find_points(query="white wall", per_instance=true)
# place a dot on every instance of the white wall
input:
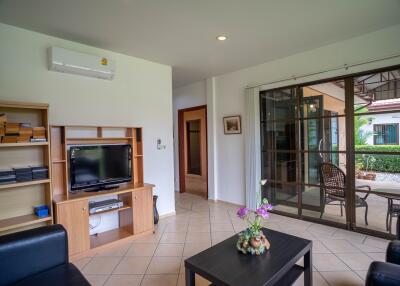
(229, 95)
(140, 95)
(185, 97)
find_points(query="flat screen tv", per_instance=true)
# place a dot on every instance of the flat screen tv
(95, 167)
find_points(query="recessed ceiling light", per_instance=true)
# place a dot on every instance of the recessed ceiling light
(222, 38)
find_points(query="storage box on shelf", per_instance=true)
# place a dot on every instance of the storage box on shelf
(18, 197)
(72, 209)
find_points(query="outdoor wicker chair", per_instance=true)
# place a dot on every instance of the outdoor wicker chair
(333, 189)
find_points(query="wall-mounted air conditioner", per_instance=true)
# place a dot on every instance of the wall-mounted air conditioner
(66, 61)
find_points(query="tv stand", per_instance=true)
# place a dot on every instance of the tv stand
(72, 208)
(135, 217)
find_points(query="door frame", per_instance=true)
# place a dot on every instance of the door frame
(181, 146)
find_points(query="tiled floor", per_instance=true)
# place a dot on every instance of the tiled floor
(340, 257)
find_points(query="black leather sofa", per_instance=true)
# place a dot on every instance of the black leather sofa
(38, 257)
(386, 273)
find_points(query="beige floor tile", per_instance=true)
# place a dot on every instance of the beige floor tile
(173, 237)
(319, 247)
(221, 227)
(145, 249)
(367, 248)
(96, 280)
(328, 262)
(339, 246)
(81, 263)
(160, 280)
(199, 220)
(376, 242)
(349, 235)
(173, 249)
(343, 278)
(116, 251)
(191, 249)
(218, 236)
(164, 265)
(150, 238)
(200, 237)
(176, 227)
(201, 227)
(220, 219)
(320, 230)
(378, 256)
(318, 280)
(362, 274)
(124, 280)
(133, 265)
(356, 261)
(101, 265)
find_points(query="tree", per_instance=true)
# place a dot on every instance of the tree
(361, 136)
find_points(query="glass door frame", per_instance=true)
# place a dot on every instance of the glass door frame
(350, 184)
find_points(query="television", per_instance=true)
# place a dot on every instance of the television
(96, 167)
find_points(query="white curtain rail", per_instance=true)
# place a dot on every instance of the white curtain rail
(345, 66)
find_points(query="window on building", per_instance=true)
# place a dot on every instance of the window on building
(386, 134)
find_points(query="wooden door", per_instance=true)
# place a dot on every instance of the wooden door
(74, 216)
(193, 151)
(143, 211)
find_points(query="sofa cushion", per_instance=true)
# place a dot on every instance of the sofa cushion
(63, 275)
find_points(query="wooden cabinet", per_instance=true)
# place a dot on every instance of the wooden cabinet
(74, 216)
(142, 210)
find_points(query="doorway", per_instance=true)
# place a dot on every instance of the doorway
(192, 129)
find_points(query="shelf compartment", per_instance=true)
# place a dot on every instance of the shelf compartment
(24, 184)
(108, 236)
(113, 210)
(26, 144)
(21, 221)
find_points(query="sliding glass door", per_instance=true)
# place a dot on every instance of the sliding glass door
(314, 170)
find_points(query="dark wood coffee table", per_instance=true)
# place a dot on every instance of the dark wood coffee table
(222, 264)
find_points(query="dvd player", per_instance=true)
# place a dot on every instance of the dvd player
(101, 206)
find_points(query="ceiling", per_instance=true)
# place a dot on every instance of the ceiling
(182, 33)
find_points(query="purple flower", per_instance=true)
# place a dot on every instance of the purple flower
(267, 207)
(242, 212)
(262, 212)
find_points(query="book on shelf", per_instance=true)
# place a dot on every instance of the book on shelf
(39, 132)
(25, 131)
(23, 139)
(2, 131)
(38, 139)
(10, 139)
(11, 128)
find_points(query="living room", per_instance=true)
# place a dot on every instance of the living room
(143, 135)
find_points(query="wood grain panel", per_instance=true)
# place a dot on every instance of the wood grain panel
(142, 211)
(74, 216)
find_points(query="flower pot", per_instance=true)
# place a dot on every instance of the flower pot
(248, 243)
(370, 176)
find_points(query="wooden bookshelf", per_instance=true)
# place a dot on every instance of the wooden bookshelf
(24, 184)
(27, 144)
(17, 200)
(21, 221)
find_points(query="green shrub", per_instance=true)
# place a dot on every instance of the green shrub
(382, 163)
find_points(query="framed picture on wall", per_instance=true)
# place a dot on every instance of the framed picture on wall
(232, 125)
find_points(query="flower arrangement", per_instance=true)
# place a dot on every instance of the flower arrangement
(252, 240)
